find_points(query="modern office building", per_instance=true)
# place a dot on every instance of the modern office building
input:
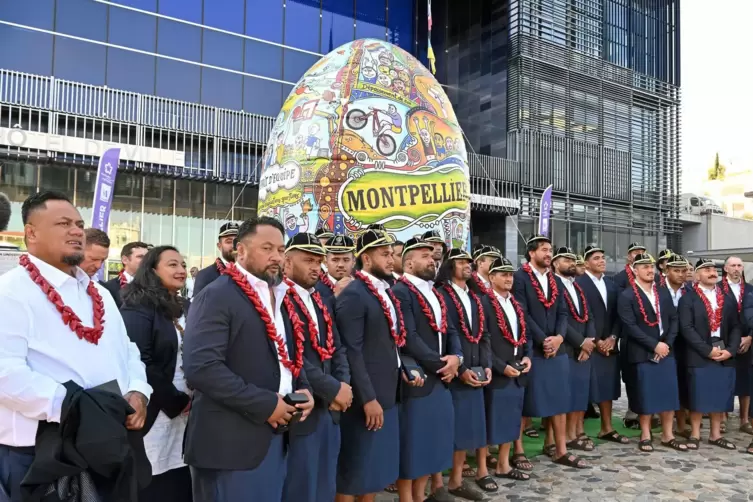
(583, 94)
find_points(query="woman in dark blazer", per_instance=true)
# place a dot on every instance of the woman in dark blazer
(154, 316)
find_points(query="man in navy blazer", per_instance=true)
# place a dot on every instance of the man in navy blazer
(601, 294)
(228, 233)
(241, 363)
(338, 270)
(315, 443)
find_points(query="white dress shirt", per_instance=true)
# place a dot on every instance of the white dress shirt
(128, 277)
(512, 317)
(189, 287)
(710, 294)
(570, 287)
(465, 300)
(382, 287)
(676, 295)
(425, 288)
(652, 302)
(38, 352)
(331, 279)
(735, 288)
(262, 289)
(600, 285)
(543, 280)
(309, 302)
(485, 282)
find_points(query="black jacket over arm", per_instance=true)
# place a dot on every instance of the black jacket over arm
(323, 376)
(205, 277)
(577, 332)
(695, 330)
(605, 318)
(371, 351)
(474, 354)
(113, 286)
(642, 338)
(157, 340)
(542, 322)
(232, 365)
(422, 342)
(503, 352)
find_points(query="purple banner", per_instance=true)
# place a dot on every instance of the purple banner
(545, 211)
(103, 191)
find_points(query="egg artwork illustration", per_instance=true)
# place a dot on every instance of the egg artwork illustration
(367, 136)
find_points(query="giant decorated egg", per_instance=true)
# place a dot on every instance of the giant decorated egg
(367, 136)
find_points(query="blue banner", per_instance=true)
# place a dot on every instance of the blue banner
(103, 191)
(545, 211)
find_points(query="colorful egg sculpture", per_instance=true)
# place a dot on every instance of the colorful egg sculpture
(368, 136)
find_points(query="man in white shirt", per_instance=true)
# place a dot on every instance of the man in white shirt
(131, 256)
(190, 282)
(42, 348)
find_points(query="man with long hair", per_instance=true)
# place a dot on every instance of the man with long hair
(225, 246)
(245, 369)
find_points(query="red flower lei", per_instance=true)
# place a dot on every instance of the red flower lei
(122, 279)
(643, 309)
(461, 314)
(537, 287)
(630, 275)
(294, 367)
(323, 277)
(293, 296)
(427, 310)
(481, 284)
(91, 335)
(715, 318)
(662, 280)
(221, 267)
(502, 324)
(581, 319)
(399, 338)
(725, 286)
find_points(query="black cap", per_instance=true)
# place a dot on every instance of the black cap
(305, 242)
(537, 238)
(432, 236)
(564, 252)
(415, 243)
(373, 239)
(323, 233)
(676, 260)
(458, 254)
(229, 229)
(634, 246)
(591, 250)
(339, 244)
(485, 250)
(644, 259)
(501, 264)
(664, 255)
(704, 263)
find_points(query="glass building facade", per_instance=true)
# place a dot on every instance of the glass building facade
(580, 94)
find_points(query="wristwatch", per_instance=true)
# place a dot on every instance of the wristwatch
(460, 358)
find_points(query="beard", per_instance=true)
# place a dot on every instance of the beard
(228, 256)
(568, 272)
(427, 273)
(74, 260)
(380, 273)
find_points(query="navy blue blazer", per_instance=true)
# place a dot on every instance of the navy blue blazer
(422, 342)
(746, 311)
(113, 286)
(695, 331)
(576, 332)
(542, 322)
(620, 280)
(642, 338)
(503, 352)
(156, 337)
(325, 291)
(372, 353)
(605, 318)
(474, 354)
(205, 277)
(323, 376)
(235, 379)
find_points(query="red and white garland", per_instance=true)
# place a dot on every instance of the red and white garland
(725, 286)
(398, 335)
(502, 323)
(91, 335)
(573, 311)
(461, 314)
(662, 280)
(291, 297)
(426, 309)
(641, 306)
(324, 278)
(630, 275)
(714, 317)
(481, 284)
(221, 267)
(122, 279)
(537, 287)
(294, 366)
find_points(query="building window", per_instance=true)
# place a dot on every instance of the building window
(150, 5)
(38, 14)
(188, 10)
(263, 59)
(302, 24)
(130, 71)
(221, 50)
(370, 19)
(82, 18)
(133, 29)
(338, 19)
(400, 24)
(296, 64)
(261, 96)
(224, 14)
(38, 44)
(179, 40)
(264, 19)
(79, 61)
(177, 80)
(221, 89)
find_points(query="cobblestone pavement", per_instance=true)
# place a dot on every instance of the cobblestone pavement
(622, 473)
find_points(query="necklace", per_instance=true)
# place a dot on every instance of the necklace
(573, 311)
(714, 316)
(292, 296)
(426, 309)
(651, 324)
(502, 323)
(324, 278)
(462, 316)
(537, 287)
(397, 335)
(725, 285)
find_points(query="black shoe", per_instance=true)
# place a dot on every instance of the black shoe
(631, 423)
(592, 411)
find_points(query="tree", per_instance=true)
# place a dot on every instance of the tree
(718, 172)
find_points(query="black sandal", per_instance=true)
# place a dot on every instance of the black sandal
(391, 488)
(614, 437)
(513, 474)
(675, 445)
(468, 471)
(549, 450)
(520, 462)
(580, 444)
(723, 443)
(466, 491)
(570, 460)
(645, 446)
(683, 433)
(693, 443)
(487, 484)
(531, 432)
(491, 461)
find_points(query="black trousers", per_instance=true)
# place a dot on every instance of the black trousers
(14, 464)
(171, 486)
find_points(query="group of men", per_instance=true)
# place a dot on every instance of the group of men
(327, 369)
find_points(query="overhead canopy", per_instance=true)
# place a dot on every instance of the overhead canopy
(745, 254)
